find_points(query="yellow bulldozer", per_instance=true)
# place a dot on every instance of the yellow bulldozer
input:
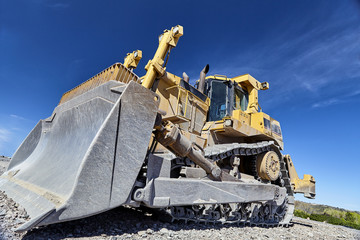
(204, 153)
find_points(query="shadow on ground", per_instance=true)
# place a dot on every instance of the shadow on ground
(117, 222)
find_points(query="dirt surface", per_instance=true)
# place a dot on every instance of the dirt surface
(128, 223)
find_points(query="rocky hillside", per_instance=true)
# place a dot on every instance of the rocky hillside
(333, 215)
(320, 208)
(4, 162)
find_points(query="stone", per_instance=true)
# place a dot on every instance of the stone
(163, 231)
(141, 233)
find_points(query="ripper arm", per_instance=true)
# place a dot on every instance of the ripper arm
(305, 185)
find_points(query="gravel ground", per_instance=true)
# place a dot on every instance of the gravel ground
(128, 223)
(3, 165)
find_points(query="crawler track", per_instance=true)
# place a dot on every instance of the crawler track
(258, 213)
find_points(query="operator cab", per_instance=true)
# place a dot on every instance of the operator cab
(225, 96)
(236, 99)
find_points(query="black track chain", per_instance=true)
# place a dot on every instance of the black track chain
(222, 151)
(246, 214)
(253, 216)
(290, 201)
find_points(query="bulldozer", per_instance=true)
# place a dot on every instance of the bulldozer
(203, 153)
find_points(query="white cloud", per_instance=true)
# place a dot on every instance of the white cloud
(326, 103)
(5, 138)
(322, 61)
(332, 101)
(354, 93)
(13, 130)
(308, 64)
(4, 135)
(17, 117)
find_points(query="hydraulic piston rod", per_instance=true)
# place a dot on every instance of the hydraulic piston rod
(171, 137)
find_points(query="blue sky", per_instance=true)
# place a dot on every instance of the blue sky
(308, 51)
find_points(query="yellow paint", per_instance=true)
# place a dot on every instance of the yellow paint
(305, 185)
(154, 67)
(244, 118)
(188, 111)
(207, 126)
(117, 72)
(218, 125)
(251, 85)
(257, 121)
(133, 59)
(181, 106)
(252, 116)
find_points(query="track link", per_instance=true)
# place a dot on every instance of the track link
(244, 214)
(264, 214)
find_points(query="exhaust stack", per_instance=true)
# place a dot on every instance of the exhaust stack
(203, 73)
(186, 77)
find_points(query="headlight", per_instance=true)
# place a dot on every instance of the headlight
(176, 29)
(228, 123)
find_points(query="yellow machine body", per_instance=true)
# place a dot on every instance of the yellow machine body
(190, 111)
(205, 153)
(247, 124)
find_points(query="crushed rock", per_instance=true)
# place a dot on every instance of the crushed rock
(127, 223)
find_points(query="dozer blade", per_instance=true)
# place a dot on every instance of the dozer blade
(85, 158)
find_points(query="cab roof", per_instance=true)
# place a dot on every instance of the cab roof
(246, 80)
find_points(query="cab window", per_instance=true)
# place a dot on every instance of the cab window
(241, 99)
(217, 109)
(267, 123)
(276, 129)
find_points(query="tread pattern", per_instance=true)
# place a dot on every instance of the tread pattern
(253, 213)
